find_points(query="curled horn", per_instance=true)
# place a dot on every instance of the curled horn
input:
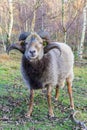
(45, 36)
(16, 46)
(20, 45)
(52, 46)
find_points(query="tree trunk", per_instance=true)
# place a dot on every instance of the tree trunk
(65, 37)
(42, 23)
(81, 46)
(26, 24)
(33, 21)
(63, 22)
(10, 20)
(37, 4)
(34, 17)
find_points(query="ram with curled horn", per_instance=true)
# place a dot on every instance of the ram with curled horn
(25, 36)
(44, 67)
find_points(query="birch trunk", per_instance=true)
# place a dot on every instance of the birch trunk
(2, 33)
(10, 20)
(34, 17)
(63, 22)
(33, 21)
(81, 47)
(42, 23)
(37, 4)
(26, 22)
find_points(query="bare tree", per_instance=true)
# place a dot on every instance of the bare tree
(63, 20)
(37, 4)
(6, 23)
(81, 46)
(10, 20)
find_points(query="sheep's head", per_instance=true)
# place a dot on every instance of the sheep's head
(23, 39)
(31, 45)
(34, 47)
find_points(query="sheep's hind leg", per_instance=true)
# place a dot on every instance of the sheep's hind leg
(31, 103)
(49, 89)
(57, 93)
(69, 86)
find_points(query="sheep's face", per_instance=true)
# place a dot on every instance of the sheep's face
(34, 50)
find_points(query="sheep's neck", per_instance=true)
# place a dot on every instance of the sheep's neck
(35, 70)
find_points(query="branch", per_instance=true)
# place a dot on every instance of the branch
(36, 6)
(77, 13)
(65, 29)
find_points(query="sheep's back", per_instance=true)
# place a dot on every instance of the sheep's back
(61, 65)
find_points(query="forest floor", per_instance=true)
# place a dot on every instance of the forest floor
(14, 99)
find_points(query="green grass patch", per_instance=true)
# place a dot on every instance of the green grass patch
(14, 100)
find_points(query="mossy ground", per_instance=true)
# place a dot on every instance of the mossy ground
(14, 98)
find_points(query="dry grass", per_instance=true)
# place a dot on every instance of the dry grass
(4, 57)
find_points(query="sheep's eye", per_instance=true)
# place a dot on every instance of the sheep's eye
(44, 43)
(22, 43)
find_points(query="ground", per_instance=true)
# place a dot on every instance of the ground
(14, 99)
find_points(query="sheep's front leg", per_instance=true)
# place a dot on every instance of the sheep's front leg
(31, 103)
(69, 86)
(49, 89)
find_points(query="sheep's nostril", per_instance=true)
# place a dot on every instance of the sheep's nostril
(33, 52)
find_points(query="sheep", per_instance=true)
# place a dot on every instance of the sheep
(45, 67)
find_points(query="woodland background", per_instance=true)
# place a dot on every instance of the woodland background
(66, 21)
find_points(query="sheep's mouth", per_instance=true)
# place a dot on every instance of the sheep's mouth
(32, 58)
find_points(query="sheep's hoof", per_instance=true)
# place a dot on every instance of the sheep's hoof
(72, 107)
(28, 115)
(56, 99)
(50, 116)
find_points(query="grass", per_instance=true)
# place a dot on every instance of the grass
(14, 98)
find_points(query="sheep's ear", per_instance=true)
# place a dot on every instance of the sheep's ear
(45, 36)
